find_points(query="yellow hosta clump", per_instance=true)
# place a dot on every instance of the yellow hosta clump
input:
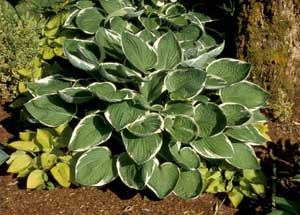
(42, 153)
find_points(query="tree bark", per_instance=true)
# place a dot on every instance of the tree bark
(268, 36)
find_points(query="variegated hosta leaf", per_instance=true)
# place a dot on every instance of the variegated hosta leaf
(118, 24)
(48, 85)
(189, 184)
(185, 157)
(107, 91)
(122, 114)
(148, 124)
(175, 10)
(92, 130)
(216, 147)
(50, 110)
(163, 179)
(229, 70)
(244, 157)
(147, 36)
(236, 114)
(190, 32)
(141, 149)
(96, 167)
(151, 21)
(179, 108)
(111, 6)
(76, 95)
(202, 60)
(118, 73)
(129, 12)
(248, 134)
(210, 119)
(69, 23)
(153, 87)
(133, 175)
(110, 41)
(82, 54)
(185, 84)
(168, 50)
(139, 53)
(245, 93)
(88, 20)
(182, 128)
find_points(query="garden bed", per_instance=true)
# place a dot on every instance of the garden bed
(115, 199)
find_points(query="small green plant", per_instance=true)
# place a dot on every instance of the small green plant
(285, 206)
(237, 184)
(3, 157)
(41, 154)
(148, 88)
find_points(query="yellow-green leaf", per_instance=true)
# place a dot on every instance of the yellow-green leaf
(28, 146)
(48, 160)
(21, 87)
(259, 189)
(20, 163)
(235, 197)
(61, 173)
(25, 72)
(48, 53)
(27, 135)
(35, 179)
(44, 138)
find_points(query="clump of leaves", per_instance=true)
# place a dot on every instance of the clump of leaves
(42, 154)
(237, 184)
(285, 206)
(19, 48)
(149, 89)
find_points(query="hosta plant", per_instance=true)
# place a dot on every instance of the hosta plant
(237, 184)
(148, 98)
(42, 154)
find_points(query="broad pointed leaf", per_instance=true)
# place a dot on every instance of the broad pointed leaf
(92, 130)
(163, 179)
(182, 128)
(35, 179)
(245, 93)
(244, 157)
(229, 70)
(108, 92)
(111, 6)
(76, 95)
(82, 54)
(185, 157)
(148, 124)
(141, 149)
(179, 108)
(248, 134)
(168, 50)
(236, 114)
(216, 147)
(96, 167)
(139, 53)
(185, 84)
(28, 146)
(133, 175)
(88, 20)
(110, 41)
(153, 87)
(118, 73)
(122, 114)
(48, 85)
(50, 110)
(210, 119)
(151, 21)
(189, 184)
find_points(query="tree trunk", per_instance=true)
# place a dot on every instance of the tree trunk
(268, 36)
